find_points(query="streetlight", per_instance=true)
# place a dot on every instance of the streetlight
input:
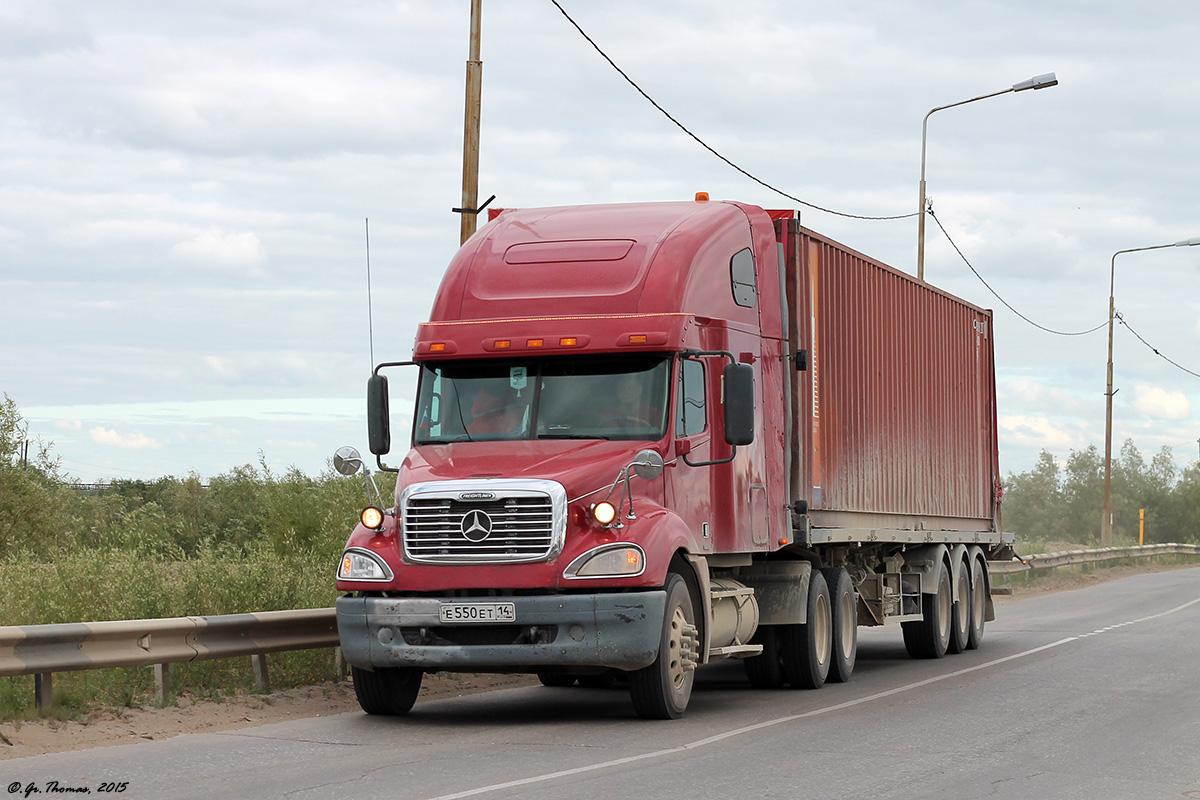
(1036, 82)
(1106, 520)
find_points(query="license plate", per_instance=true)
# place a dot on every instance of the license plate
(477, 612)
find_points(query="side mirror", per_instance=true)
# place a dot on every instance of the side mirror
(347, 460)
(379, 430)
(739, 403)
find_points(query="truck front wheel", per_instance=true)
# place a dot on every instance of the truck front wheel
(389, 691)
(662, 690)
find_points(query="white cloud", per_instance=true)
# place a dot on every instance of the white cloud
(1039, 432)
(132, 441)
(1161, 403)
(223, 250)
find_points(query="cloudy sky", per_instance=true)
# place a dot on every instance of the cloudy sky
(184, 189)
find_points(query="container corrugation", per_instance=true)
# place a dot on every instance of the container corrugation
(896, 413)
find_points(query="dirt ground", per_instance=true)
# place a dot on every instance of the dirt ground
(131, 725)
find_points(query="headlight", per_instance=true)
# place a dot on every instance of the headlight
(363, 565)
(620, 560)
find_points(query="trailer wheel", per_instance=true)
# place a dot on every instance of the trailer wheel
(960, 627)
(930, 636)
(388, 691)
(765, 670)
(843, 601)
(556, 679)
(979, 591)
(662, 690)
(807, 648)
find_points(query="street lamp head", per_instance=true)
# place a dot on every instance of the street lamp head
(1192, 242)
(1036, 82)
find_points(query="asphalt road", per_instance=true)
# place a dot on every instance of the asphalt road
(1093, 693)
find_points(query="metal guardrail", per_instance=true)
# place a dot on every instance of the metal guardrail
(1069, 558)
(42, 650)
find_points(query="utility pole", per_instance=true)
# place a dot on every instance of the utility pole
(470, 185)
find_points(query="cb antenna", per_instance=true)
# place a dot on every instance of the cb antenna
(370, 314)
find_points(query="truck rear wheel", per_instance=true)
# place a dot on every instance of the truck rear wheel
(662, 690)
(960, 628)
(389, 691)
(556, 679)
(930, 636)
(807, 649)
(979, 598)
(765, 670)
(843, 601)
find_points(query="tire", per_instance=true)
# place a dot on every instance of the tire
(765, 671)
(807, 649)
(960, 625)
(556, 679)
(843, 605)
(662, 690)
(388, 691)
(603, 680)
(930, 636)
(979, 598)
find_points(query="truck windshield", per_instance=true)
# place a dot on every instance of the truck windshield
(595, 397)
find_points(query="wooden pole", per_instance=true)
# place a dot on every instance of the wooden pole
(470, 190)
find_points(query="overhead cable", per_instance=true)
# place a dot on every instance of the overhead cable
(997, 294)
(1121, 319)
(704, 144)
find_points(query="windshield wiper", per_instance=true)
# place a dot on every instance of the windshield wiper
(573, 436)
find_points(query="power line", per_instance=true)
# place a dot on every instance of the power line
(704, 144)
(1121, 319)
(997, 294)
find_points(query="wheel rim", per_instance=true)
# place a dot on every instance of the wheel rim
(965, 603)
(849, 623)
(943, 606)
(977, 597)
(822, 633)
(680, 650)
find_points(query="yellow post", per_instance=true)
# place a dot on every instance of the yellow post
(1141, 526)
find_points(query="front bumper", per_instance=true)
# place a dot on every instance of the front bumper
(619, 631)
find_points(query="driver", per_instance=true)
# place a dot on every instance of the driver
(631, 409)
(496, 410)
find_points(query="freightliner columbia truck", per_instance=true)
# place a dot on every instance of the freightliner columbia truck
(648, 437)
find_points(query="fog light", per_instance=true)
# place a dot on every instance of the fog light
(372, 518)
(604, 512)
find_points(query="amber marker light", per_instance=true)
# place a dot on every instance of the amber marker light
(502, 344)
(604, 512)
(638, 338)
(568, 341)
(437, 347)
(701, 197)
(372, 518)
(535, 342)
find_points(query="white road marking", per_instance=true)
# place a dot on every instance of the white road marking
(683, 748)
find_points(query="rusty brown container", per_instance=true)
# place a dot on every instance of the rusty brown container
(893, 424)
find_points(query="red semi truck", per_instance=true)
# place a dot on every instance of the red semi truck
(652, 436)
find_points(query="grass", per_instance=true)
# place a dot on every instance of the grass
(110, 584)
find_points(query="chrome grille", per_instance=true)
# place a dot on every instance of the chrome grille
(498, 521)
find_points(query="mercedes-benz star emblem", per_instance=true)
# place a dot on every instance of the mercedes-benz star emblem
(476, 525)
